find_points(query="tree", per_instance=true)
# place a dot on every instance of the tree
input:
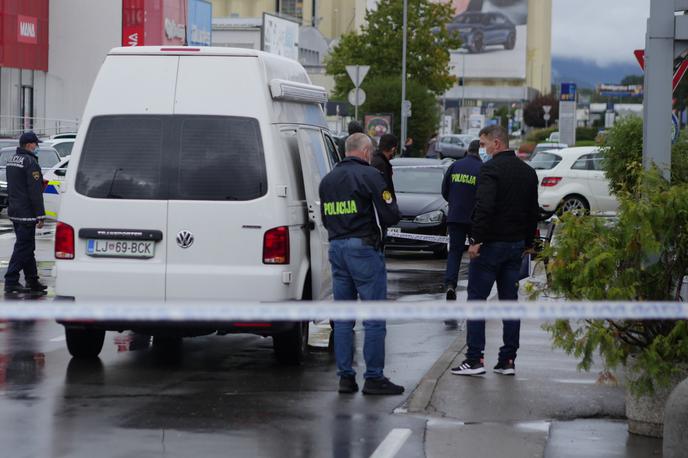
(383, 95)
(533, 112)
(379, 44)
(630, 80)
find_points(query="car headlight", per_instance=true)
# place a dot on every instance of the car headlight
(432, 217)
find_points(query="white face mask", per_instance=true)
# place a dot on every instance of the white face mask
(483, 155)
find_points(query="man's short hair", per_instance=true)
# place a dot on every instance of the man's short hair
(355, 127)
(358, 142)
(387, 142)
(496, 132)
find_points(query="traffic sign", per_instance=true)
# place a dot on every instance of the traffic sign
(679, 70)
(546, 117)
(675, 129)
(357, 73)
(640, 55)
(546, 108)
(357, 97)
(406, 108)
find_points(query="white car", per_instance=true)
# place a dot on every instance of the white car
(53, 189)
(62, 145)
(572, 179)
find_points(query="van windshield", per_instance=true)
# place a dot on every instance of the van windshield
(174, 157)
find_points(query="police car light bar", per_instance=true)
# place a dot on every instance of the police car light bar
(297, 92)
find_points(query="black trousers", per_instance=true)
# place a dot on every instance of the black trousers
(23, 258)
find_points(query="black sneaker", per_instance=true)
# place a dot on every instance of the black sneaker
(36, 286)
(16, 289)
(469, 367)
(451, 324)
(451, 293)
(348, 385)
(381, 386)
(505, 367)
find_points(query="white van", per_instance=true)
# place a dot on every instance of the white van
(195, 176)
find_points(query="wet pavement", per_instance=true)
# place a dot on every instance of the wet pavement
(214, 396)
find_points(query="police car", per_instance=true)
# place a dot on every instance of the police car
(48, 159)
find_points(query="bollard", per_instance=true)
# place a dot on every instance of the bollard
(676, 422)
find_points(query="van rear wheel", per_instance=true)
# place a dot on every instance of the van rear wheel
(84, 343)
(291, 347)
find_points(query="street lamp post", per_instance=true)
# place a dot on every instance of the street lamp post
(402, 140)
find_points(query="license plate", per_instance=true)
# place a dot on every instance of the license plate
(393, 230)
(121, 248)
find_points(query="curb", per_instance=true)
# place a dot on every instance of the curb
(421, 397)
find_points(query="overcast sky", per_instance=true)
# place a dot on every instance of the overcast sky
(606, 31)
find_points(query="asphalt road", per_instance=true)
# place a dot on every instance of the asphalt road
(216, 396)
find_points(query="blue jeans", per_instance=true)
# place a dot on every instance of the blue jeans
(500, 262)
(457, 243)
(358, 271)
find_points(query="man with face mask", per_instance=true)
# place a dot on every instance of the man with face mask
(503, 227)
(357, 208)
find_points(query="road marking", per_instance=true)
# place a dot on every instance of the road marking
(392, 443)
(61, 338)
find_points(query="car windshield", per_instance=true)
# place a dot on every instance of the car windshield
(422, 180)
(469, 19)
(544, 160)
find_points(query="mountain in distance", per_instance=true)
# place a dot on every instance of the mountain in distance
(588, 74)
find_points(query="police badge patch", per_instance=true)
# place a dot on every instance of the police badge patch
(36, 175)
(387, 196)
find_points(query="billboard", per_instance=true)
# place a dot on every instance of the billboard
(494, 36)
(200, 23)
(618, 90)
(153, 22)
(280, 36)
(24, 37)
(377, 125)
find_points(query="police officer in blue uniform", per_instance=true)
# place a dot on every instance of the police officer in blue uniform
(26, 211)
(357, 207)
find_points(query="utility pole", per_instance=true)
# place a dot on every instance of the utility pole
(666, 39)
(404, 109)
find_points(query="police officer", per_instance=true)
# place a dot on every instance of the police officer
(26, 211)
(357, 207)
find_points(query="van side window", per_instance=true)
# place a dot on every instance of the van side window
(331, 150)
(172, 157)
(316, 150)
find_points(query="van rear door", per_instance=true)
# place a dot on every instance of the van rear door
(218, 210)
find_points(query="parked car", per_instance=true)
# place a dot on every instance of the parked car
(52, 193)
(5, 142)
(452, 146)
(542, 147)
(554, 137)
(479, 30)
(418, 186)
(62, 145)
(63, 135)
(48, 158)
(572, 179)
(150, 214)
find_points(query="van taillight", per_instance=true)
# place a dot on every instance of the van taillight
(64, 241)
(276, 246)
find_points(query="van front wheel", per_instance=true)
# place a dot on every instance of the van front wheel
(84, 343)
(291, 347)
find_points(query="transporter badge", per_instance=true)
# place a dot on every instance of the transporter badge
(36, 175)
(387, 196)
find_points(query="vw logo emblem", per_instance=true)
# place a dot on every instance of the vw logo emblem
(185, 239)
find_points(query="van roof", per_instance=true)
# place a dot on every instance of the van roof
(276, 66)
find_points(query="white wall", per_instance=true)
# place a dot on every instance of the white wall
(81, 34)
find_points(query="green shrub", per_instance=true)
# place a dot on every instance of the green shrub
(540, 135)
(586, 133)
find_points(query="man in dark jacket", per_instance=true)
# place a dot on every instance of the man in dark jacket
(387, 148)
(458, 188)
(356, 209)
(26, 211)
(354, 127)
(503, 227)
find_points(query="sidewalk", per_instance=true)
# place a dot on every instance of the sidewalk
(548, 409)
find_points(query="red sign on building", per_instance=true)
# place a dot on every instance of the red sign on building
(154, 22)
(24, 34)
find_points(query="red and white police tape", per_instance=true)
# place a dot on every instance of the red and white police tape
(204, 311)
